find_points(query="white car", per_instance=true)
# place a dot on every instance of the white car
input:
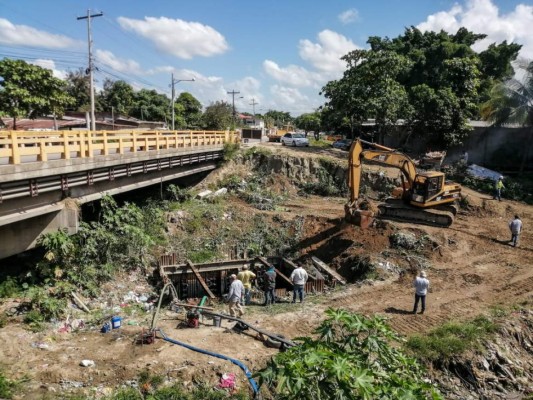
(294, 139)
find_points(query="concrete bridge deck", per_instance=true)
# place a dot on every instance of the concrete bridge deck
(42, 172)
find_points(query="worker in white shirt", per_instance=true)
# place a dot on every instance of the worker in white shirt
(299, 278)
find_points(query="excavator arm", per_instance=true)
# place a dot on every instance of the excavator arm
(381, 155)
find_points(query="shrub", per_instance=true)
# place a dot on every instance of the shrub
(9, 287)
(353, 358)
(230, 150)
(451, 339)
(7, 387)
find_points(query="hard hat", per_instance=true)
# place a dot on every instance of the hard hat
(501, 177)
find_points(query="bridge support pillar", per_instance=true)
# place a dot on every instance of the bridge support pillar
(22, 235)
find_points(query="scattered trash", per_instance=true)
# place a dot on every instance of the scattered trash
(87, 363)
(116, 322)
(483, 173)
(40, 345)
(204, 194)
(227, 381)
(134, 323)
(143, 298)
(106, 327)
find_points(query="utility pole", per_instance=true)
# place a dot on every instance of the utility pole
(172, 83)
(253, 104)
(91, 66)
(233, 93)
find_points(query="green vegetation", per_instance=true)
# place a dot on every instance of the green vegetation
(319, 143)
(230, 151)
(433, 81)
(27, 90)
(512, 102)
(451, 339)
(8, 387)
(353, 358)
(328, 182)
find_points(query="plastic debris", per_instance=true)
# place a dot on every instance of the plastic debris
(227, 381)
(40, 345)
(87, 363)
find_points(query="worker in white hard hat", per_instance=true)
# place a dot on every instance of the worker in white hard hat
(498, 189)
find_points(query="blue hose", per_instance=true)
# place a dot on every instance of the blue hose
(245, 369)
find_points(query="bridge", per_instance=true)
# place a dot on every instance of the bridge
(46, 176)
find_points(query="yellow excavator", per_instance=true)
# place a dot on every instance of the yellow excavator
(423, 198)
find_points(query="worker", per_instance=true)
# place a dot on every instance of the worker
(246, 277)
(235, 295)
(464, 158)
(421, 285)
(299, 278)
(516, 228)
(498, 189)
(269, 286)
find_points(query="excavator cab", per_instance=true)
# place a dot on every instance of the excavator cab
(426, 187)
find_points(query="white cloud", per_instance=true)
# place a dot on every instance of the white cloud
(292, 100)
(23, 35)
(51, 65)
(349, 16)
(118, 64)
(293, 74)
(177, 37)
(325, 55)
(483, 16)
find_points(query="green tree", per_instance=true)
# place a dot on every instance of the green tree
(279, 118)
(78, 87)
(30, 91)
(308, 122)
(117, 95)
(353, 358)
(433, 81)
(189, 110)
(150, 105)
(512, 102)
(218, 116)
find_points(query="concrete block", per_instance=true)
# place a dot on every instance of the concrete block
(204, 194)
(220, 192)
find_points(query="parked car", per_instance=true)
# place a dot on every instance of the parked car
(294, 139)
(343, 144)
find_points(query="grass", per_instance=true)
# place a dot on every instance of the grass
(451, 339)
(319, 143)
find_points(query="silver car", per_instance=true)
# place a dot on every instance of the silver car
(294, 139)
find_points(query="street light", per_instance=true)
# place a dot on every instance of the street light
(173, 82)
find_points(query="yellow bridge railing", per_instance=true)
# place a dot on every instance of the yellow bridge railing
(18, 147)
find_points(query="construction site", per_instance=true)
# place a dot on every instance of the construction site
(172, 320)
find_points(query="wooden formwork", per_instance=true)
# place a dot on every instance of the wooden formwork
(187, 278)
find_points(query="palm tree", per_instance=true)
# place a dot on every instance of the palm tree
(511, 102)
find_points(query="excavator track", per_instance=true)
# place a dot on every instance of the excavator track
(405, 213)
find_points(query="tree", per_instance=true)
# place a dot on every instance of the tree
(117, 95)
(218, 116)
(511, 102)
(353, 358)
(30, 91)
(78, 87)
(370, 88)
(279, 118)
(189, 109)
(150, 105)
(308, 122)
(433, 81)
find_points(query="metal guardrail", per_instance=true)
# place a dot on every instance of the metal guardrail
(18, 147)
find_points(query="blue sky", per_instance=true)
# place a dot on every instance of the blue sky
(276, 53)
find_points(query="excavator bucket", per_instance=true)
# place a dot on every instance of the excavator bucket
(357, 215)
